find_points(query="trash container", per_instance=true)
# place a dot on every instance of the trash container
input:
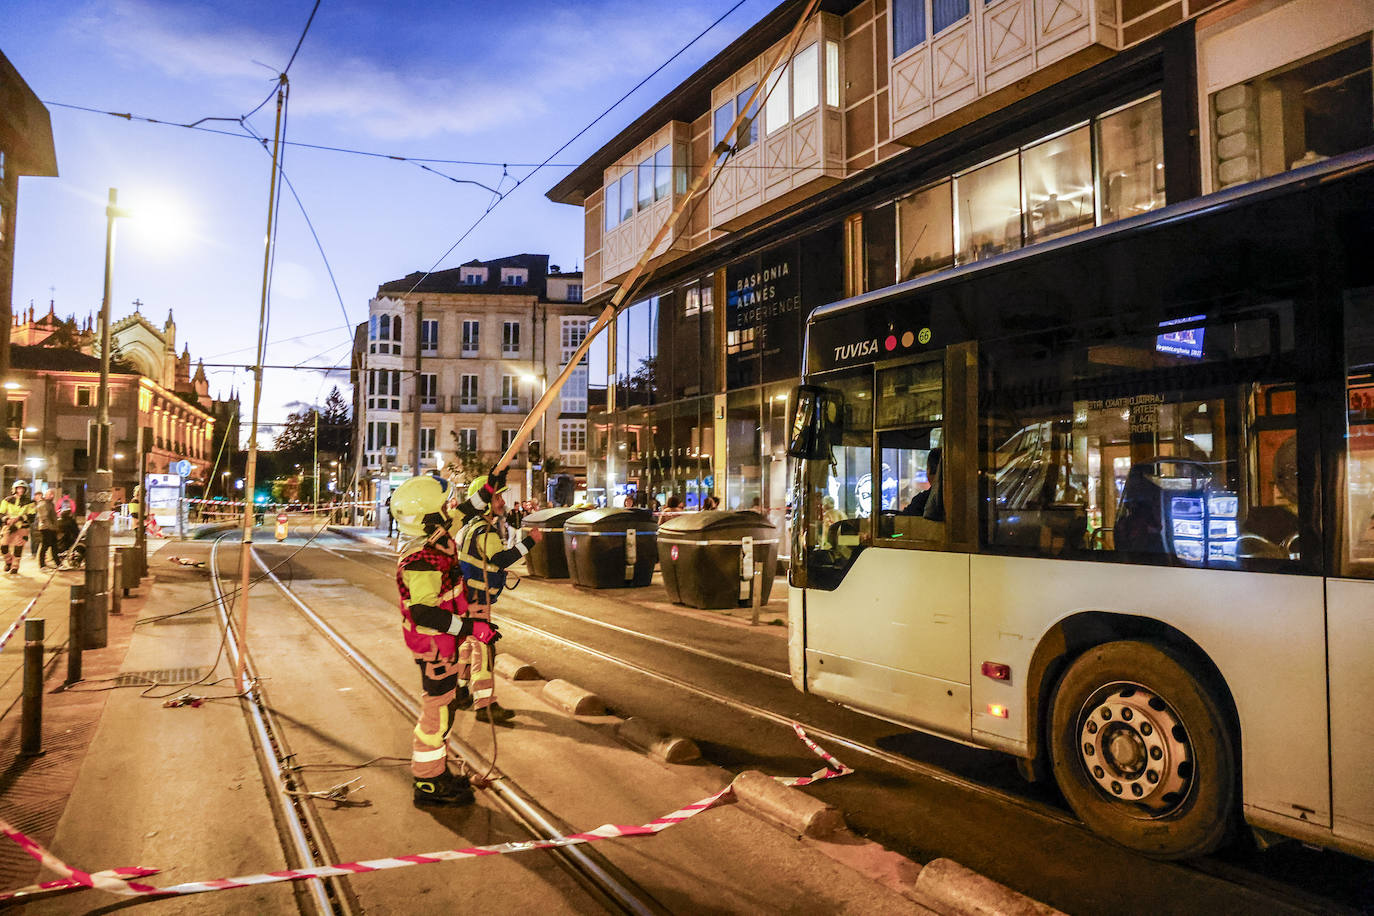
(129, 572)
(547, 559)
(611, 548)
(715, 559)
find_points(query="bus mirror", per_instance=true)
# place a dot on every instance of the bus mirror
(816, 423)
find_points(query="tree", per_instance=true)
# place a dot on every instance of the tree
(336, 426)
(295, 442)
(466, 464)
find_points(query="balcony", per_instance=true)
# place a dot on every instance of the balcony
(462, 404)
(997, 53)
(428, 404)
(795, 146)
(639, 192)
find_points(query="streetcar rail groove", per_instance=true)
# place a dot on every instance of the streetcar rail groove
(589, 868)
(304, 833)
(1213, 868)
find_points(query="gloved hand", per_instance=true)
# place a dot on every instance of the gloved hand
(496, 479)
(485, 632)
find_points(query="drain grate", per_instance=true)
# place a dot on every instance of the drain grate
(165, 676)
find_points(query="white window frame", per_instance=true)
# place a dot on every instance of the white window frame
(429, 335)
(467, 439)
(510, 339)
(472, 337)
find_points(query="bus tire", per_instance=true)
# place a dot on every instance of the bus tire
(1143, 752)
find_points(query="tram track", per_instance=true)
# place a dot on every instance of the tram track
(304, 838)
(596, 875)
(1214, 868)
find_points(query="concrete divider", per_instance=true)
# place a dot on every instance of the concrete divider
(789, 808)
(948, 887)
(516, 669)
(573, 699)
(652, 740)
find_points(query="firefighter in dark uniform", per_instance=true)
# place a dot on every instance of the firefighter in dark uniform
(483, 559)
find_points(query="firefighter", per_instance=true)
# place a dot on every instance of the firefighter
(483, 560)
(16, 516)
(433, 622)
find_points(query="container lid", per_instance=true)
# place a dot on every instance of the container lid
(549, 518)
(611, 519)
(716, 520)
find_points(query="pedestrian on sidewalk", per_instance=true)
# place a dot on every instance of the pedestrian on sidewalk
(45, 519)
(483, 559)
(16, 517)
(67, 533)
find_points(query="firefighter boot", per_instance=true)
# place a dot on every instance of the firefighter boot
(444, 789)
(463, 698)
(495, 713)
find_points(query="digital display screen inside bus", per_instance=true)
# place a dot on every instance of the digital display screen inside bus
(1186, 342)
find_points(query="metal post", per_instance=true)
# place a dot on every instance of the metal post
(76, 632)
(145, 434)
(117, 582)
(101, 478)
(31, 722)
(419, 348)
(251, 471)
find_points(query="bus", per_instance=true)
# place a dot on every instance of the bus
(1106, 504)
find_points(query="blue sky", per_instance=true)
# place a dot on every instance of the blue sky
(481, 81)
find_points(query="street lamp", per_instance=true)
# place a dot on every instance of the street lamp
(101, 479)
(224, 484)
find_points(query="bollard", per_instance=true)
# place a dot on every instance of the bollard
(31, 723)
(117, 582)
(76, 632)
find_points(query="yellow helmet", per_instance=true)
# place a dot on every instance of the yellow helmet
(479, 483)
(416, 498)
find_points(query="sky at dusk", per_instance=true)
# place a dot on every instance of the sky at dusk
(480, 81)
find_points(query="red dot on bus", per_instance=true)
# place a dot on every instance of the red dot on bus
(891, 342)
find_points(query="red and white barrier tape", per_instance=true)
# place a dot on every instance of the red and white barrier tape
(110, 880)
(19, 621)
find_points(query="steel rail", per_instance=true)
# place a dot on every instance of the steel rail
(649, 637)
(1211, 867)
(303, 831)
(589, 868)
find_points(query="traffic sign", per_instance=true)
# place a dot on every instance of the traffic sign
(182, 467)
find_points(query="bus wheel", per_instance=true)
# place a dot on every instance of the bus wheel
(1143, 752)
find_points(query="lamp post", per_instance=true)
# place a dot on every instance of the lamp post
(101, 479)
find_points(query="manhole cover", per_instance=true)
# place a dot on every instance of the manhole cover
(165, 676)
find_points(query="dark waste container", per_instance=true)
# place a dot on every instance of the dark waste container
(129, 573)
(705, 563)
(547, 559)
(611, 548)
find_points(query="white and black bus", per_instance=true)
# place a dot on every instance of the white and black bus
(1106, 503)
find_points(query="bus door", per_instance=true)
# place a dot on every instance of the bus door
(891, 515)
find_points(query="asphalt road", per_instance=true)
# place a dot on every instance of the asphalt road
(682, 669)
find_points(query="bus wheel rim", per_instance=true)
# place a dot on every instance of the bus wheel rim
(1135, 749)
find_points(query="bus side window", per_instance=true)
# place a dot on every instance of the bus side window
(910, 413)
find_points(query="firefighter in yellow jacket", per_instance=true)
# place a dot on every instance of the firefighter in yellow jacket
(16, 517)
(483, 558)
(434, 620)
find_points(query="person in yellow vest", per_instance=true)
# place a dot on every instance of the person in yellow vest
(16, 517)
(434, 620)
(483, 559)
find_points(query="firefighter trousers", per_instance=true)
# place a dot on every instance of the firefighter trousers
(438, 706)
(476, 661)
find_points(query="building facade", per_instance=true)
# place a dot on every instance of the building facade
(490, 335)
(54, 405)
(901, 138)
(26, 149)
